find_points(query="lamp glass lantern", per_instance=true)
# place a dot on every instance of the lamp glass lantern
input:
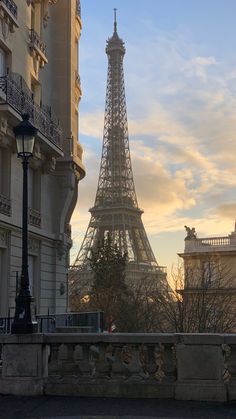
(25, 134)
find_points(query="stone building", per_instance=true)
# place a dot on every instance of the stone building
(209, 288)
(39, 75)
(205, 259)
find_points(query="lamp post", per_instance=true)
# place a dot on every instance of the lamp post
(23, 321)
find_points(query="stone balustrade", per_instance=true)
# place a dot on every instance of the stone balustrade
(211, 244)
(177, 366)
(34, 217)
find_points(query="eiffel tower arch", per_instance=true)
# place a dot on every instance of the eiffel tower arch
(115, 211)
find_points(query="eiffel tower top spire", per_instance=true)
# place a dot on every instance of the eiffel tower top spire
(115, 43)
(115, 21)
(115, 184)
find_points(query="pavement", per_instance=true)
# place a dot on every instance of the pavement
(55, 407)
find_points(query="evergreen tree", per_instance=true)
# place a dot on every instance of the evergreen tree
(109, 292)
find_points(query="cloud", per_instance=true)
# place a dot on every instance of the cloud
(182, 124)
(159, 189)
(209, 225)
(160, 123)
(198, 67)
(227, 210)
(91, 124)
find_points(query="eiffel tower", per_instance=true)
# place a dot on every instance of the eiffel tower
(116, 210)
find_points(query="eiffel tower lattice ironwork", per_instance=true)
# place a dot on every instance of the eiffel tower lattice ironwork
(116, 208)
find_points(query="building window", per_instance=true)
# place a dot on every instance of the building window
(36, 44)
(34, 194)
(1, 283)
(33, 267)
(36, 21)
(32, 16)
(5, 203)
(33, 277)
(36, 91)
(31, 273)
(210, 272)
(3, 273)
(34, 189)
(2, 62)
(31, 193)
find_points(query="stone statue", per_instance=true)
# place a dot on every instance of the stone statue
(191, 233)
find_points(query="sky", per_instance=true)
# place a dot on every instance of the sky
(180, 80)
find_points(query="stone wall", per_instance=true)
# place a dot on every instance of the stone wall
(177, 366)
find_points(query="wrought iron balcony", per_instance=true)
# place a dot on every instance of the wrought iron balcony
(5, 205)
(36, 41)
(20, 98)
(37, 47)
(11, 6)
(78, 8)
(34, 218)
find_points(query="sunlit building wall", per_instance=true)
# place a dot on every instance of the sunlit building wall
(210, 262)
(39, 75)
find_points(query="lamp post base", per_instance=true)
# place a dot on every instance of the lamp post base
(24, 316)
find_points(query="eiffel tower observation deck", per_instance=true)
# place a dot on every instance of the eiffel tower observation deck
(115, 211)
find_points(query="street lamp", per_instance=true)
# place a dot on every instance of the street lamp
(23, 322)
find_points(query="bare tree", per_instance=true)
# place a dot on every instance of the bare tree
(203, 299)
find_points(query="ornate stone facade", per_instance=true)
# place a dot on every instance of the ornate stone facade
(36, 78)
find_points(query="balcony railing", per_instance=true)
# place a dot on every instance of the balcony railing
(89, 321)
(34, 218)
(36, 41)
(145, 267)
(210, 244)
(11, 6)
(5, 205)
(78, 8)
(214, 241)
(20, 98)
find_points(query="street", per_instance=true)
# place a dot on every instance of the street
(110, 408)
